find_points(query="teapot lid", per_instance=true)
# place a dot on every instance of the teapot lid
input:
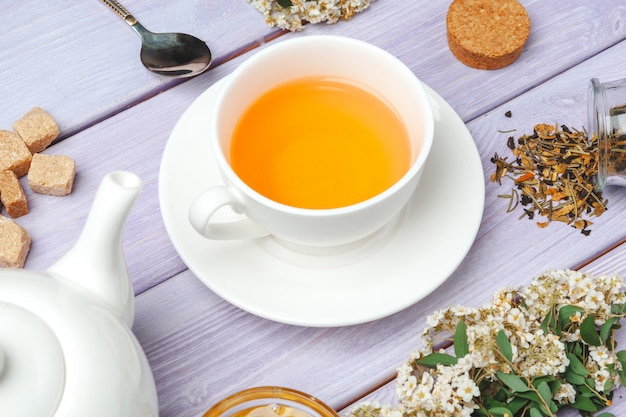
(32, 366)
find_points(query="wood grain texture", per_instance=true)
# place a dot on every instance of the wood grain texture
(80, 61)
(49, 61)
(420, 41)
(115, 115)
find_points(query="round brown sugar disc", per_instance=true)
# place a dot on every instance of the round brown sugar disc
(487, 34)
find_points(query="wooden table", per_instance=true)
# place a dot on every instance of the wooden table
(80, 62)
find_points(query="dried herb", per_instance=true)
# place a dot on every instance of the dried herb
(508, 113)
(553, 174)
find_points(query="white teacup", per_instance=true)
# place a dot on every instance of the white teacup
(332, 56)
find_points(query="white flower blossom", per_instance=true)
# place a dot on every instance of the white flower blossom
(465, 387)
(566, 394)
(434, 319)
(601, 355)
(537, 349)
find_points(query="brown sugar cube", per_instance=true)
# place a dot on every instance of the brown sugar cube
(12, 195)
(37, 129)
(14, 245)
(52, 174)
(487, 34)
(14, 154)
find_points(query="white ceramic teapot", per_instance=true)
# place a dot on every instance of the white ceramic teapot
(66, 345)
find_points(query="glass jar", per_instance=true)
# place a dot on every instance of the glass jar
(607, 121)
(270, 402)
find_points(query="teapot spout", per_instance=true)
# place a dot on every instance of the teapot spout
(96, 263)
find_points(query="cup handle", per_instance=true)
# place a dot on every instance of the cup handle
(207, 203)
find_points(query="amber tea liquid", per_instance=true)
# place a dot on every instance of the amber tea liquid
(320, 143)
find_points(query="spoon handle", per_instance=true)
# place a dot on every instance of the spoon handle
(120, 10)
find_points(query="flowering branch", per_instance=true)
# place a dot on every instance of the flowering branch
(530, 353)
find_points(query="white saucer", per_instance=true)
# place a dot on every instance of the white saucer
(393, 270)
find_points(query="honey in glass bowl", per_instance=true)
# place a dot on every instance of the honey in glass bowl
(270, 402)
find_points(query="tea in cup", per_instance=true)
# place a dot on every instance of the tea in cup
(320, 140)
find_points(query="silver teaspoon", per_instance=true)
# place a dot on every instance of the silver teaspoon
(172, 54)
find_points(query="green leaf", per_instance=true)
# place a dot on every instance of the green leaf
(584, 404)
(549, 323)
(608, 385)
(530, 395)
(490, 403)
(588, 331)
(504, 345)
(461, 346)
(284, 3)
(501, 395)
(605, 330)
(534, 412)
(606, 415)
(568, 311)
(516, 404)
(545, 378)
(616, 309)
(544, 391)
(574, 378)
(553, 407)
(546, 395)
(621, 357)
(513, 381)
(584, 390)
(578, 349)
(554, 386)
(435, 359)
(575, 365)
(500, 411)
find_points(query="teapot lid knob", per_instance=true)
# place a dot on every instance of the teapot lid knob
(32, 366)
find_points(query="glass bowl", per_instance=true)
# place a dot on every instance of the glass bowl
(270, 402)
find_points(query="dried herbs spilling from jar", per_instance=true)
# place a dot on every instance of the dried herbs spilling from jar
(553, 172)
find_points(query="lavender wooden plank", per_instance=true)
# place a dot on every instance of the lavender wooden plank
(202, 348)
(80, 61)
(48, 61)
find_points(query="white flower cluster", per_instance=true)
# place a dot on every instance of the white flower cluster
(448, 392)
(453, 390)
(298, 12)
(574, 288)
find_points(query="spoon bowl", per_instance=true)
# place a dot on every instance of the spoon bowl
(170, 54)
